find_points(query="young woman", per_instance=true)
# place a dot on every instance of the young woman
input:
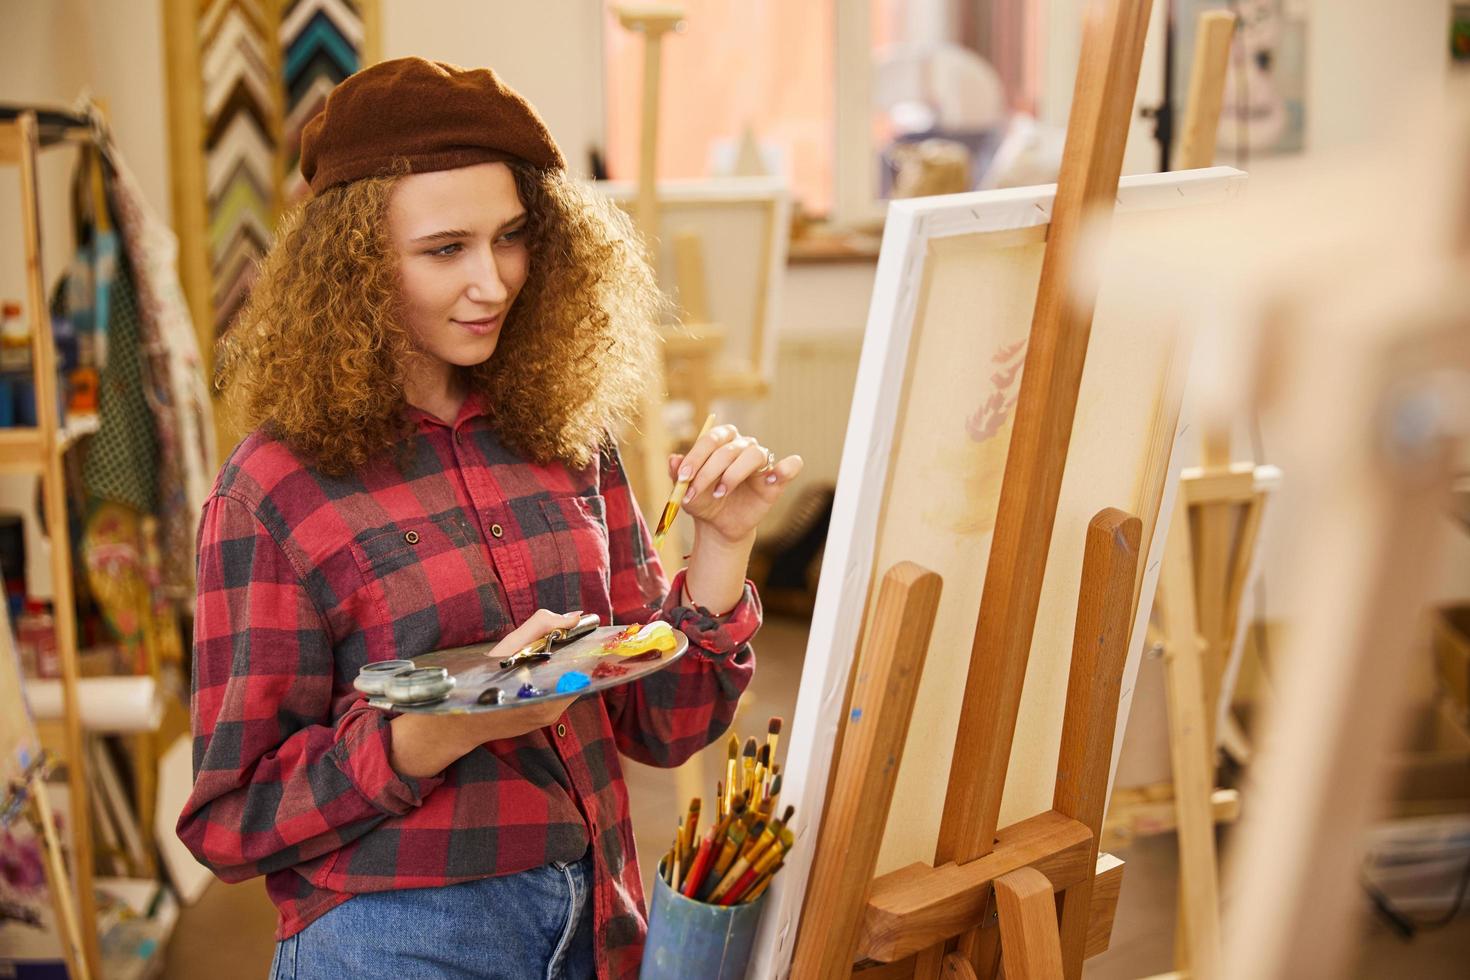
(432, 360)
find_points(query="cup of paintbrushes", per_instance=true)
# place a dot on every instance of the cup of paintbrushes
(690, 938)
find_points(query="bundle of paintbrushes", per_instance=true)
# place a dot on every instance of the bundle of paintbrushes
(746, 843)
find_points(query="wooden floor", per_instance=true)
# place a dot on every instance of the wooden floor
(227, 934)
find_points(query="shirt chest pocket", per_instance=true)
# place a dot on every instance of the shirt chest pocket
(428, 585)
(580, 576)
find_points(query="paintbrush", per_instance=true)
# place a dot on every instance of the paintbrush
(773, 736)
(769, 803)
(762, 766)
(757, 861)
(734, 838)
(700, 867)
(762, 885)
(691, 829)
(758, 832)
(747, 881)
(762, 837)
(678, 858)
(732, 770)
(671, 509)
(748, 765)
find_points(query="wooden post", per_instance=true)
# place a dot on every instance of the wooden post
(1206, 89)
(1191, 754)
(649, 474)
(1099, 654)
(1107, 77)
(43, 361)
(852, 833)
(1194, 654)
(63, 904)
(1028, 924)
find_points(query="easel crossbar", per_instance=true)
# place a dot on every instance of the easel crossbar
(918, 906)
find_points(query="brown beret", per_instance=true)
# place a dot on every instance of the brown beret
(434, 115)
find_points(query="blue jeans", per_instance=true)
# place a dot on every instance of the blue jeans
(535, 925)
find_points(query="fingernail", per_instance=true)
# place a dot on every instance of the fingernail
(719, 491)
(685, 473)
(770, 478)
(689, 496)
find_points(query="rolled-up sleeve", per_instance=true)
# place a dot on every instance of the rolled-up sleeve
(277, 781)
(669, 715)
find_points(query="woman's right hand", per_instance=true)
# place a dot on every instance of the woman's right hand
(425, 745)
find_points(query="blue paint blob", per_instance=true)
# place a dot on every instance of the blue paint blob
(572, 680)
(528, 691)
(857, 714)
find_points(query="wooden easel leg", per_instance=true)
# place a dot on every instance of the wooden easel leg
(1030, 943)
(1198, 946)
(59, 884)
(956, 967)
(888, 675)
(1094, 680)
(981, 949)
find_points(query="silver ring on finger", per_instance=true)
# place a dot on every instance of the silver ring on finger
(770, 461)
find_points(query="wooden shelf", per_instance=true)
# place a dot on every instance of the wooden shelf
(23, 450)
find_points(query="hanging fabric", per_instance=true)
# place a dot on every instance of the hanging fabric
(174, 378)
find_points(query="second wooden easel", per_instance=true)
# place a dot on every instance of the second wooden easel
(692, 348)
(1209, 561)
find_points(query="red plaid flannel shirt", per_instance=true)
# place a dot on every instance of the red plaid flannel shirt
(304, 578)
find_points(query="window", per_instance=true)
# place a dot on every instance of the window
(807, 76)
(766, 64)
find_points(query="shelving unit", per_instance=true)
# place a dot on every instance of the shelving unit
(39, 450)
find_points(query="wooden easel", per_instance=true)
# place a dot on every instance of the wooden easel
(689, 350)
(648, 474)
(915, 907)
(1208, 565)
(929, 921)
(23, 766)
(651, 446)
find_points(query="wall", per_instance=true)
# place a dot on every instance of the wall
(1061, 23)
(52, 52)
(550, 51)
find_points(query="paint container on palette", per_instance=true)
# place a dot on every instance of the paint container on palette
(693, 939)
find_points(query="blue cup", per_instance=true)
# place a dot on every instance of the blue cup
(694, 939)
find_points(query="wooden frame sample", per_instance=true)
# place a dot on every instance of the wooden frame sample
(920, 480)
(243, 78)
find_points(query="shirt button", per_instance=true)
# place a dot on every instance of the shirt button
(458, 437)
(412, 537)
(561, 730)
(497, 530)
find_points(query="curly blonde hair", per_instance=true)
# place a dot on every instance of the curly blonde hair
(318, 355)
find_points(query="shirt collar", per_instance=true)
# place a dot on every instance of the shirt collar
(474, 405)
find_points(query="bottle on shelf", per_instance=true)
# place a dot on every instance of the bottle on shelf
(35, 640)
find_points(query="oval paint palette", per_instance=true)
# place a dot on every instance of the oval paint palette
(601, 659)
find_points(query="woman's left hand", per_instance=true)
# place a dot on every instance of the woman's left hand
(732, 485)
